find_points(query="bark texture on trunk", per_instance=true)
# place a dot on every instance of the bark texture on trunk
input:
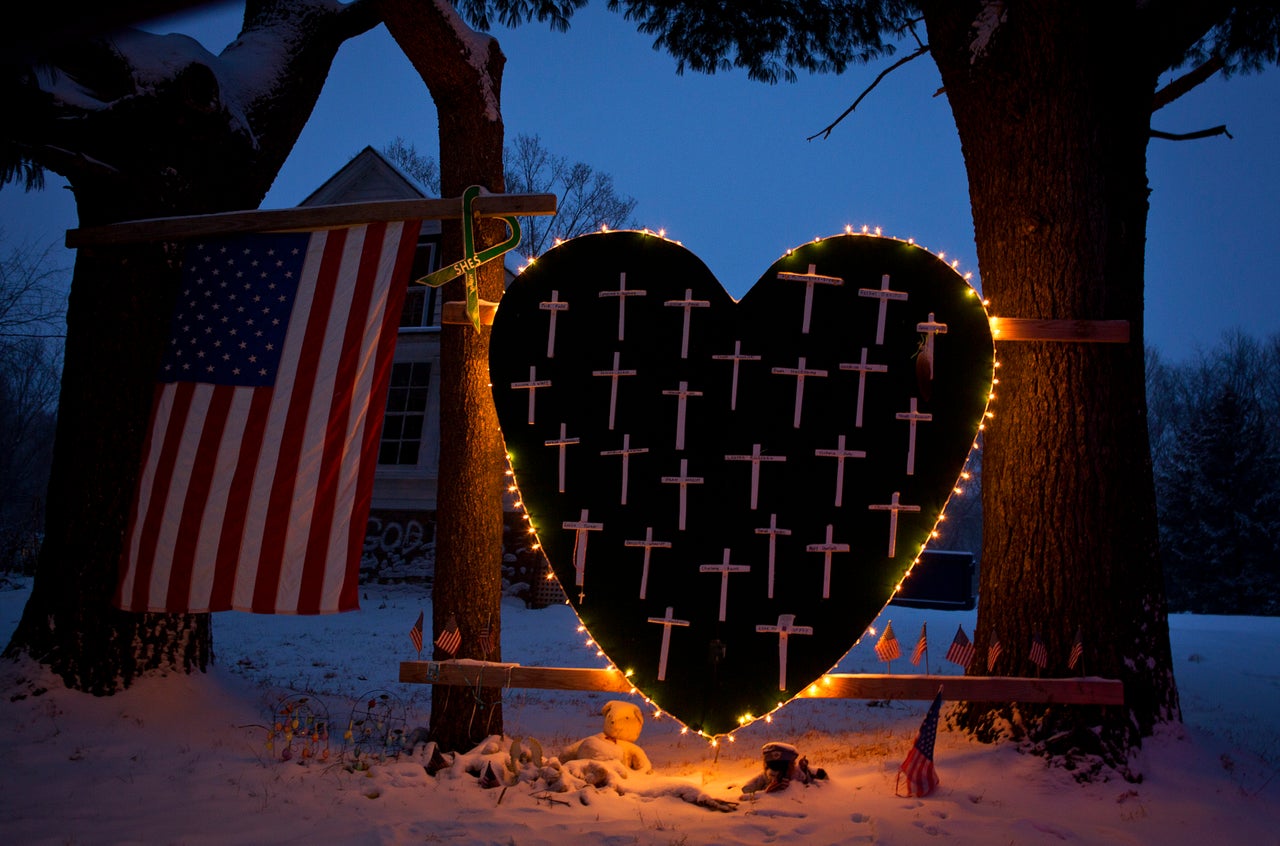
(463, 71)
(1053, 118)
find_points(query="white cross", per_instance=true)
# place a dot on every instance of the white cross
(688, 304)
(561, 442)
(626, 452)
(772, 531)
(786, 626)
(683, 480)
(755, 458)
(827, 549)
(863, 369)
(800, 372)
(580, 528)
(666, 622)
(621, 294)
(736, 358)
(555, 306)
(683, 393)
(724, 569)
(883, 294)
(930, 328)
(913, 417)
(840, 454)
(893, 507)
(649, 545)
(810, 279)
(613, 389)
(532, 386)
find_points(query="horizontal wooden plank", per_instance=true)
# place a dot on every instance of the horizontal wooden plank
(1073, 691)
(469, 673)
(307, 217)
(1069, 331)
(455, 311)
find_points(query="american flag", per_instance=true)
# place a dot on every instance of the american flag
(887, 646)
(993, 653)
(1077, 650)
(1038, 654)
(258, 462)
(415, 633)
(922, 778)
(961, 650)
(484, 640)
(922, 646)
(450, 637)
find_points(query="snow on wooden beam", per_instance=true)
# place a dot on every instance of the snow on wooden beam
(1072, 691)
(307, 218)
(1071, 331)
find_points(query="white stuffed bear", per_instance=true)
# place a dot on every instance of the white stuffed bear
(622, 724)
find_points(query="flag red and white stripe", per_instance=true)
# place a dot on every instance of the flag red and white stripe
(415, 633)
(1077, 649)
(920, 775)
(887, 646)
(255, 486)
(922, 646)
(962, 649)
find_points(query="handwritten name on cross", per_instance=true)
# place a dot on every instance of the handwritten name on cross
(613, 389)
(580, 528)
(785, 627)
(773, 532)
(912, 417)
(688, 304)
(682, 393)
(800, 371)
(863, 368)
(931, 329)
(683, 480)
(621, 294)
(666, 622)
(809, 279)
(883, 294)
(724, 568)
(555, 305)
(893, 507)
(649, 545)
(755, 458)
(562, 442)
(840, 454)
(736, 357)
(827, 549)
(532, 386)
(626, 452)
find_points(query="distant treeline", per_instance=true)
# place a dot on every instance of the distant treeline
(1215, 445)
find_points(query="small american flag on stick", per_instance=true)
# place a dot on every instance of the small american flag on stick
(1077, 650)
(922, 647)
(961, 651)
(1038, 655)
(415, 634)
(887, 647)
(450, 638)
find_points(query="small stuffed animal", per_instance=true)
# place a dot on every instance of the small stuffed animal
(782, 765)
(622, 724)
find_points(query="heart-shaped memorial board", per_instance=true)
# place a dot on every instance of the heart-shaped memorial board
(731, 492)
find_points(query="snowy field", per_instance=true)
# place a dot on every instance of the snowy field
(184, 760)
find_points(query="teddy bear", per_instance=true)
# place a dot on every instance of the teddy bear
(622, 724)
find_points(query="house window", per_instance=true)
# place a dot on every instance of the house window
(406, 413)
(420, 302)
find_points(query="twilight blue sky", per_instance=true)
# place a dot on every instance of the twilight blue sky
(722, 164)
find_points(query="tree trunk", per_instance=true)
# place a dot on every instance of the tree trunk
(1053, 116)
(140, 148)
(463, 71)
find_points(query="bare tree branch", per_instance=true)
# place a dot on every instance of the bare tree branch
(1191, 136)
(826, 131)
(1189, 80)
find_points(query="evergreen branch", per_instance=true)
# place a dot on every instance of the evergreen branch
(826, 131)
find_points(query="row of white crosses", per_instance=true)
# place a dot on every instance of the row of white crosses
(556, 305)
(784, 628)
(828, 547)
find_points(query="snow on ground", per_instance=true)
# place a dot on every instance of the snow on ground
(183, 760)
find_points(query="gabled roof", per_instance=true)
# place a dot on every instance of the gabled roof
(368, 177)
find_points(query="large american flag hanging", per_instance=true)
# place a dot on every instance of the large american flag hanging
(258, 462)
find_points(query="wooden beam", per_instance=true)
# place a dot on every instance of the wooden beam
(469, 673)
(1073, 691)
(1070, 331)
(307, 217)
(455, 311)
